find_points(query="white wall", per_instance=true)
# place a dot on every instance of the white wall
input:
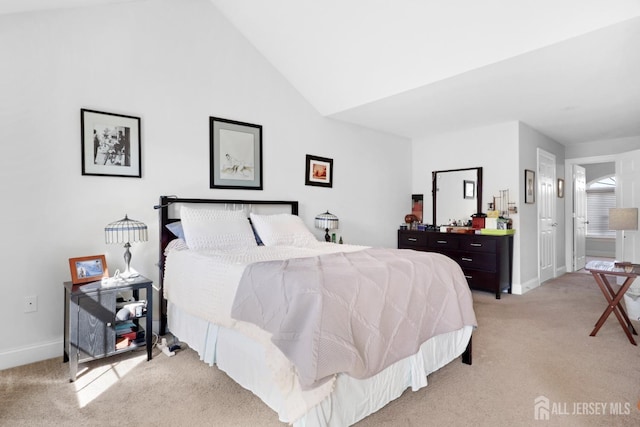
(529, 142)
(173, 63)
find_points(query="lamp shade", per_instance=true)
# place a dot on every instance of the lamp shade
(623, 219)
(125, 231)
(326, 221)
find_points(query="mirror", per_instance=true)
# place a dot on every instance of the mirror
(457, 194)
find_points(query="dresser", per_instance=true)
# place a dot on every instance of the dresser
(487, 261)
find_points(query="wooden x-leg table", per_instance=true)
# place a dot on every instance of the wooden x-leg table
(600, 270)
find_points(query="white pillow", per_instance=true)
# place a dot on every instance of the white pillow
(216, 229)
(282, 230)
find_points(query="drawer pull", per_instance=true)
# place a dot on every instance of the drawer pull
(467, 259)
(478, 245)
(441, 242)
(412, 239)
(468, 277)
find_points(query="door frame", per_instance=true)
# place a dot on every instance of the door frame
(568, 200)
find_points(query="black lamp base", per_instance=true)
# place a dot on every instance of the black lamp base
(326, 236)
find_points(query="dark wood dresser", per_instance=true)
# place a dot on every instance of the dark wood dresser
(486, 261)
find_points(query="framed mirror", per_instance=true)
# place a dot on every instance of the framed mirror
(457, 194)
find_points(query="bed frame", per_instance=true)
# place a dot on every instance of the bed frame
(167, 217)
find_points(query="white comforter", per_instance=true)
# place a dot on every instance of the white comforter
(204, 284)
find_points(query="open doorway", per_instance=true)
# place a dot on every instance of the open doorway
(587, 233)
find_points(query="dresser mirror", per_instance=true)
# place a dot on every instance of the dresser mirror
(457, 194)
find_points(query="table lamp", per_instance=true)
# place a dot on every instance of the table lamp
(327, 221)
(126, 231)
(623, 219)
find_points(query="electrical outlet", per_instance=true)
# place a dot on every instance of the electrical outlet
(30, 304)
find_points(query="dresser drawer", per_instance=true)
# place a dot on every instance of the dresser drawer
(443, 241)
(481, 280)
(477, 261)
(478, 245)
(412, 239)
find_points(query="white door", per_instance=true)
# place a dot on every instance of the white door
(546, 215)
(579, 217)
(628, 196)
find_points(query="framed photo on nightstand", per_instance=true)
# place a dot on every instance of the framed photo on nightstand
(88, 269)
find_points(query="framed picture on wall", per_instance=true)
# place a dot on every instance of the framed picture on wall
(560, 187)
(469, 189)
(529, 186)
(110, 144)
(235, 154)
(318, 171)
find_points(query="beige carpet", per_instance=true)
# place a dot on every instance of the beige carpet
(525, 347)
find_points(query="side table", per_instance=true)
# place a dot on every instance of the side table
(600, 270)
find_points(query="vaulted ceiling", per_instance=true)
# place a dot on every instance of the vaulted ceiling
(568, 68)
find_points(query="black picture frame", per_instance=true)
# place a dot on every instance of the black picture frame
(235, 154)
(110, 144)
(529, 186)
(469, 189)
(318, 171)
(560, 188)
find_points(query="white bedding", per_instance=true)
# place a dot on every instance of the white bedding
(200, 287)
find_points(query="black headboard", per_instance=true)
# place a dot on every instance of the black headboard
(169, 215)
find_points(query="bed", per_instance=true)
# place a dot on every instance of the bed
(224, 294)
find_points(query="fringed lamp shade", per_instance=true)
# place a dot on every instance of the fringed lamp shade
(126, 231)
(327, 221)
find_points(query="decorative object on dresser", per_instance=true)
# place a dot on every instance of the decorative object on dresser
(99, 323)
(88, 269)
(326, 221)
(126, 231)
(110, 144)
(318, 171)
(235, 154)
(485, 260)
(417, 206)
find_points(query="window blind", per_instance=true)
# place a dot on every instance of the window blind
(599, 201)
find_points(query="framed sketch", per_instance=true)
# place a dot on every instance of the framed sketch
(110, 144)
(529, 186)
(235, 154)
(560, 187)
(88, 269)
(469, 190)
(318, 171)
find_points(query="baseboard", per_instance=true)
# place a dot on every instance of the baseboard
(38, 352)
(522, 288)
(30, 354)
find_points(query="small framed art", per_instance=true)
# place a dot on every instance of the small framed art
(529, 186)
(560, 187)
(88, 269)
(318, 171)
(110, 144)
(235, 154)
(469, 190)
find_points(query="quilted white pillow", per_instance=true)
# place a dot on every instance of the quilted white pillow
(281, 230)
(216, 229)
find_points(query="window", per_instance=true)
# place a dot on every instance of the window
(601, 196)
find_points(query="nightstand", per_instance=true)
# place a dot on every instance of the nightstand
(93, 328)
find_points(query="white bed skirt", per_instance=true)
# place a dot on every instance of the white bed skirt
(244, 360)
